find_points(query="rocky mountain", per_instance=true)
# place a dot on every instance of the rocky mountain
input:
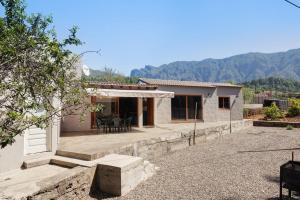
(239, 68)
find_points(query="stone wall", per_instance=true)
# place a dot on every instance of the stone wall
(276, 124)
(73, 184)
(157, 147)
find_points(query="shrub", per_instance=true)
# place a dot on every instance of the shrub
(246, 112)
(289, 127)
(294, 109)
(273, 112)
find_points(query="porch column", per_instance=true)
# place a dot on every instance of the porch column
(140, 111)
(54, 130)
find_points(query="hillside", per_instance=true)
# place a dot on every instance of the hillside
(239, 68)
(273, 83)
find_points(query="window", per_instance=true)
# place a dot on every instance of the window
(178, 106)
(224, 102)
(183, 107)
(192, 101)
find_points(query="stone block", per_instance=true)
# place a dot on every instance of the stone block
(177, 144)
(118, 174)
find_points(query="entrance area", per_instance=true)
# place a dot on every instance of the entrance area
(116, 107)
(128, 108)
(148, 111)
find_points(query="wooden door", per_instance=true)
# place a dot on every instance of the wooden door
(150, 111)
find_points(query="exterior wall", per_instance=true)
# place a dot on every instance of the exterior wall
(54, 135)
(236, 101)
(210, 103)
(140, 112)
(12, 156)
(72, 123)
(162, 110)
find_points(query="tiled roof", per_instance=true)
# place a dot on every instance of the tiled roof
(124, 86)
(184, 83)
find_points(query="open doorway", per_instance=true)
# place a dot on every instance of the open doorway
(148, 111)
(128, 108)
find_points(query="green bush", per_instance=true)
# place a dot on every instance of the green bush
(294, 109)
(246, 112)
(289, 127)
(273, 112)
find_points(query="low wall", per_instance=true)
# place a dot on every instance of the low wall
(155, 148)
(275, 124)
(73, 184)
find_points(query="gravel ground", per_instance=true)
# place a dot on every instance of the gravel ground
(243, 165)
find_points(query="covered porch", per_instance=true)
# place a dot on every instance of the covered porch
(128, 111)
(124, 106)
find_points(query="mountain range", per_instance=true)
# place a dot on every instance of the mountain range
(238, 68)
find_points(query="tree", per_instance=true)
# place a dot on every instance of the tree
(111, 75)
(248, 94)
(37, 72)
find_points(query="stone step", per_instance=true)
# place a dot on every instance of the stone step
(119, 174)
(36, 162)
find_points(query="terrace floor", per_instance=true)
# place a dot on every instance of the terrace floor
(84, 145)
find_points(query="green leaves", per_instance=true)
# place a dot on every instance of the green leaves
(273, 112)
(72, 39)
(294, 107)
(36, 72)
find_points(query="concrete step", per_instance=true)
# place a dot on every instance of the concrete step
(30, 163)
(119, 174)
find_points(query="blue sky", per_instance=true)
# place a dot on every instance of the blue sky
(134, 33)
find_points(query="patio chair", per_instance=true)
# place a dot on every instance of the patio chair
(101, 123)
(128, 122)
(116, 124)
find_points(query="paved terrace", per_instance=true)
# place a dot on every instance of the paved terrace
(90, 145)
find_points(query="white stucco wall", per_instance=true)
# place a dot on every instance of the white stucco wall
(12, 156)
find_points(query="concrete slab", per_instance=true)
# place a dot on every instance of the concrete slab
(20, 183)
(119, 174)
(30, 163)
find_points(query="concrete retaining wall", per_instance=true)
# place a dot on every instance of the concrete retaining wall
(73, 184)
(276, 124)
(154, 148)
